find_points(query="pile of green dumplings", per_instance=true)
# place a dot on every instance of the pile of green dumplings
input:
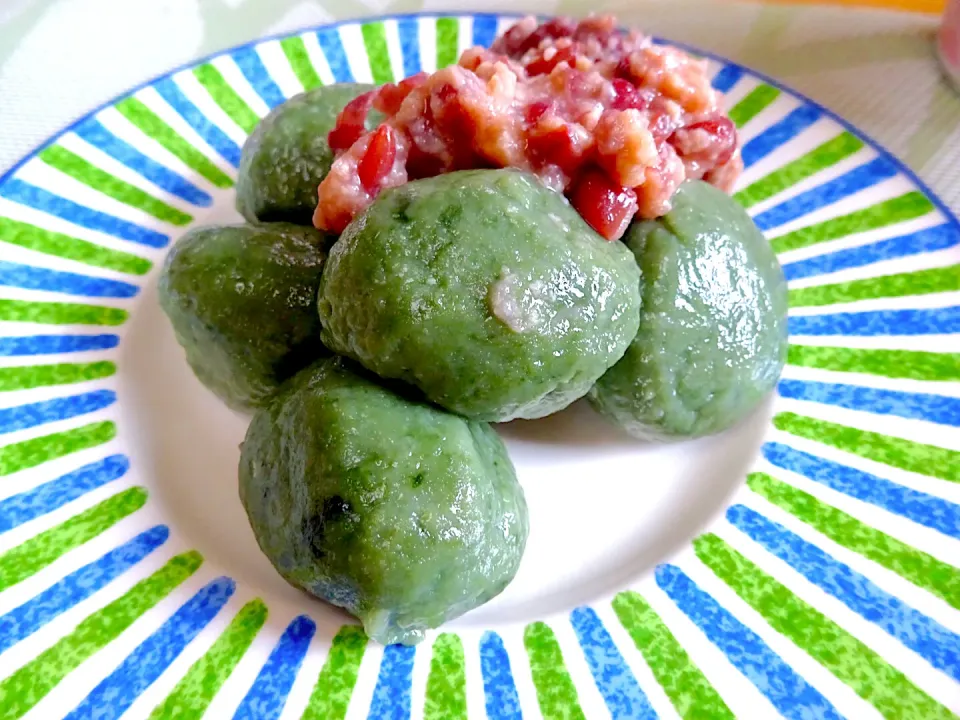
(373, 363)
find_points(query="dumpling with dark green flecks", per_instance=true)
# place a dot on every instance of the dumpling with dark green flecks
(484, 289)
(287, 155)
(713, 327)
(242, 303)
(401, 513)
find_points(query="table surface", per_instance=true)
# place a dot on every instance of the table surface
(875, 66)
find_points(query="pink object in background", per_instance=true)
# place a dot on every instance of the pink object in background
(949, 41)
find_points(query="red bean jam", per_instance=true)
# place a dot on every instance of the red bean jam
(610, 119)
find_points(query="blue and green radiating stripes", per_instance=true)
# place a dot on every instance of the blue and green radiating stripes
(88, 217)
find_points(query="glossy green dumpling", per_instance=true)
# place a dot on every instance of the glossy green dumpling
(485, 290)
(713, 328)
(242, 303)
(287, 155)
(403, 514)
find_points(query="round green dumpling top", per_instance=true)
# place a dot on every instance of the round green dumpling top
(402, 514)
(713, 329)
(242, 302)
(485, 290)
(287, 155)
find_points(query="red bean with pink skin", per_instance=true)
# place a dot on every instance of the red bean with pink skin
(389, 97)
(559, 146)
(378, 159)
(537, 110)
(349, 127)
(626, 95)
(607, 208)
(545, 65)
(724, 134)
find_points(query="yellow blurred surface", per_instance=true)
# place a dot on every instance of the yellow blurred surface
(920, 6)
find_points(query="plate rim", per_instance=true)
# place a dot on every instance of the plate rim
(950, 218)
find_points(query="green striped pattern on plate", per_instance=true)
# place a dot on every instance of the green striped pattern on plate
(829, 588)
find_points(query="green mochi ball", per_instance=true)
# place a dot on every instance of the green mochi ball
(242, 303)
(401, 513)
(287, 155)
(485, 290)
(713, 328)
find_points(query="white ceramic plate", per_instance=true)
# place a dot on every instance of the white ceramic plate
(803, 564)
